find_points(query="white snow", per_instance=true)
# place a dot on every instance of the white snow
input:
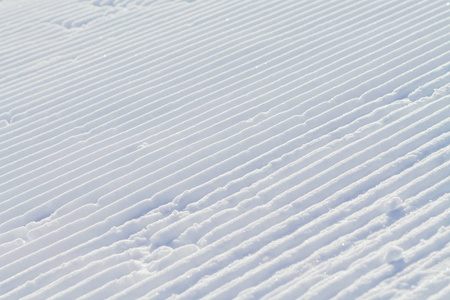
(178, 149)
(393, 254)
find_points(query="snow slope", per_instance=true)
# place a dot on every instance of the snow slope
(220, 149)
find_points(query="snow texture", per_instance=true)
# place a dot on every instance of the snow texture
(169, 149)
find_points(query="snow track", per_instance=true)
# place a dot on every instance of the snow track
(221, 149)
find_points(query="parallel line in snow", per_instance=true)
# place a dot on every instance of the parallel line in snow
(182, 61)
(271, 150)
(151, 29)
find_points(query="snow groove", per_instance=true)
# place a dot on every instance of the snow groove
(224, 149)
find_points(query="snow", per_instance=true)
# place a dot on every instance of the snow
(224, 149)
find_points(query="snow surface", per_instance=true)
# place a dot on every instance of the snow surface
(252, 149)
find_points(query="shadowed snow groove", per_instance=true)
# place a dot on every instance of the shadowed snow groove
(224, 149)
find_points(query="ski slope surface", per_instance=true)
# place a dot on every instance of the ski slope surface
(169, 149)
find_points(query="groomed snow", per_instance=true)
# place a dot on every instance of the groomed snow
(208, 149)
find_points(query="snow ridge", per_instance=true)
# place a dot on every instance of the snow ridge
(222, 149)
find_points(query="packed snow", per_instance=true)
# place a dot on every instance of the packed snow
(169, 149)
